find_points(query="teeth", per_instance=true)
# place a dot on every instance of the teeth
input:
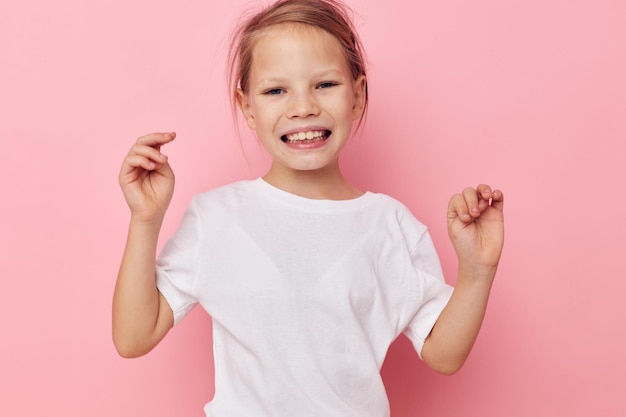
(311, 134)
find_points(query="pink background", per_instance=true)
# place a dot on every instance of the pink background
(529, 96)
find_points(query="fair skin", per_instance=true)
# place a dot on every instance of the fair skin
(300, 83)
(302, 103)
(141, 316)
(476, 230)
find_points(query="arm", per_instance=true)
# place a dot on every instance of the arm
(141, 315)
(476, 229)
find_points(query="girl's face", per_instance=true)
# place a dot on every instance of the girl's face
(302, 100)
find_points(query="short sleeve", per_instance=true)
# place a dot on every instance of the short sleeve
(176, 265)
(436, 294)
(433, 292)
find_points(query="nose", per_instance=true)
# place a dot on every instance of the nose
(303, 105)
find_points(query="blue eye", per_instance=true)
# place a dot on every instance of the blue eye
(326, 85)
(274, 91)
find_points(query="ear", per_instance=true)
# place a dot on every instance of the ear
(244, 105)
(360, 93)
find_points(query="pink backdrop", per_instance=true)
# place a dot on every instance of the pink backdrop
(529, 96)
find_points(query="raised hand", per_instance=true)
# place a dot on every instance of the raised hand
(476, 226)
(476, 229)
(146, 178)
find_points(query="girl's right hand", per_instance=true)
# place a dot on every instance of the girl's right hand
(146, 178)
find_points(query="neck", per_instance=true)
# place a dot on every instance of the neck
(318, 185)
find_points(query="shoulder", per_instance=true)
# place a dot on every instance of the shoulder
(393, 220)
(392, 208)
(225, 195)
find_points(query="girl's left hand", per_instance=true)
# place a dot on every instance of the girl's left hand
(476, 226)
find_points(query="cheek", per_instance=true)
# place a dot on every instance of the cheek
(347, 107)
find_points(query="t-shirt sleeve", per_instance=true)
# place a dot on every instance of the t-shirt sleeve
(176, 265)
(433, 292)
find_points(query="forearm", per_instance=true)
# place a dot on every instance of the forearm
(451, 339)
(136, 300)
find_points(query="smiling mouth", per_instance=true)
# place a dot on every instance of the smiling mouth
(306, 137)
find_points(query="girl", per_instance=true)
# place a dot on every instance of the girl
(308, 279)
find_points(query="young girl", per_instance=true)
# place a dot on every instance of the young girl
(308, 279)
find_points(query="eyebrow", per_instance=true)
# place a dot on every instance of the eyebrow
(327, 72)
(281, 80)
(272, 80)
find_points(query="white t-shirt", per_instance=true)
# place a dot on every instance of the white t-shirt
(305, 296)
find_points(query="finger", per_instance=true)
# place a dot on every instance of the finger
(472, 198)
(134, 162)
(484, 191)
(457, 208)
(156, 140)
(497, 200)
(148, 152)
